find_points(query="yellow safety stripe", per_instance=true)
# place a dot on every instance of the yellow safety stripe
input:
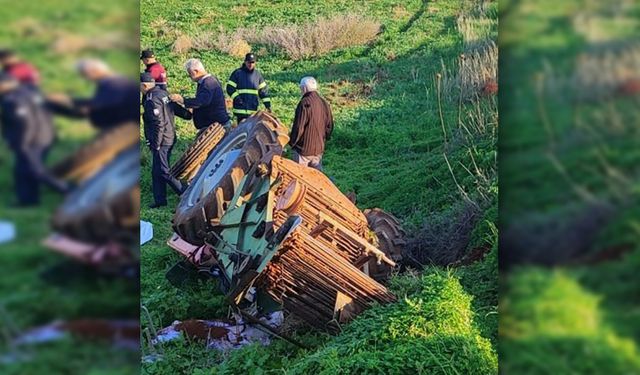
(262, 85)
(248, 91)
(231, 83)
(266, 100)
(243, 111)
(244, 91)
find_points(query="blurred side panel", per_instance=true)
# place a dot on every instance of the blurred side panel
(569, 172)
(69, 177)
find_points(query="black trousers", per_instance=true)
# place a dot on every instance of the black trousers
(30, 171)
(160, 175)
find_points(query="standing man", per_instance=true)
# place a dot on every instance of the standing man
(160, 132)
(247, 87)
(208, 105)
(28, 129)
(312, 126)
(154, 68)
(21, 70)
(115, 101)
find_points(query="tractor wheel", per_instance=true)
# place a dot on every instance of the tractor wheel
(187, 166)
(219, 177)
(391, 239)
(83, 163)
(106, 207)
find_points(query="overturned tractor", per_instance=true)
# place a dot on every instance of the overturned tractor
(280, 235)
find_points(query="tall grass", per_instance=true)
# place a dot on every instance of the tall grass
(599, 74)
(469, 146)
(299, 41)
(476, 71)
(321, 36)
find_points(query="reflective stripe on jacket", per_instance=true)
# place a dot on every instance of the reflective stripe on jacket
(247, 88)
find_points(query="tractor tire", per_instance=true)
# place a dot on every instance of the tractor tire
(391, 239)
(83, 163)
(217, 180)
(106, 207)
(187, 166)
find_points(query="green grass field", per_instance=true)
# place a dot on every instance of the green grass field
(389, 147)
(561, 160)
(43, 33)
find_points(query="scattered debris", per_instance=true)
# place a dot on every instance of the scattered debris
(104, 255)
(120, 333)
(220, 334)
(7, 231)
(146, 232)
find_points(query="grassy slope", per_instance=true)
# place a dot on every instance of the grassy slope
(387, 147)
(540, 331)
(28, 299)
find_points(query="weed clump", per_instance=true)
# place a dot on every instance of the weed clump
(232, 43)
(429, 331)
(182, 44)
(547, 312)
(320, 36)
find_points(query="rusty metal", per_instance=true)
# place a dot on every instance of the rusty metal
(289, 236)
(89, 159)
(189, 163)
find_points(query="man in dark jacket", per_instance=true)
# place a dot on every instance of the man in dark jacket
(154, 68)
(115, 101)
(160, 132)
(208, 105)
(28, 129)
(312, 125)
(247, 88)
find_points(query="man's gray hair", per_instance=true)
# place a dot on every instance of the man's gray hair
(194, 64)
(308, 84)
(92, 64)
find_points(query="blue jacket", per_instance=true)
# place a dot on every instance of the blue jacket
(115, 101)
(208, 105)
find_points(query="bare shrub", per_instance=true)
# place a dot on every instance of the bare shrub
(475, 30)
(598, 74)
(65, 42)
(552, 239)
(182, 44)
(444, 237)
(593, 20)
(320, 36)
(231, 43)
(28, 27)
(297, 41)
(162, 28)
(476, 74)
(69, 43)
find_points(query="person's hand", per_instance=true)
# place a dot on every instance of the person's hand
(59, 98)
(176, 98)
